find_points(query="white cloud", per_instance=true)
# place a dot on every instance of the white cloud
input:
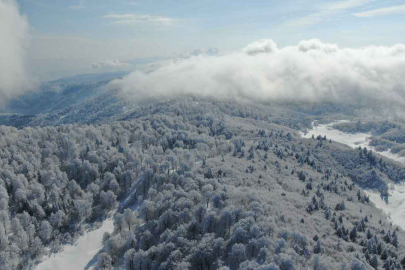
(326, 11)
(110, 64)
(37, 3)
(135, 19)
(310, 71)
(79, 6)
(76, 7)
(134, 3)
(261, 46)
(343, 5)
(381, 12)
(14, 79)
(317, 45)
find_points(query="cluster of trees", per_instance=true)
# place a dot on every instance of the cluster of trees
(55, 180)
(387, 135)
(376, 127)
(195, 187)
(214, 215)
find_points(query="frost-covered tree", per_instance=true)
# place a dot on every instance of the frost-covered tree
(104, 262)
(45, 231)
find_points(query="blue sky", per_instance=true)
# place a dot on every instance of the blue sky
(68, 37)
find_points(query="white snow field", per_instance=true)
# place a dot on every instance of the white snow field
(79, 255)
(395, 206)
(352, 140)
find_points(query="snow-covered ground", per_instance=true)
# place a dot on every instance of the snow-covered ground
(79, 256)
(352, 140)
(395, 206)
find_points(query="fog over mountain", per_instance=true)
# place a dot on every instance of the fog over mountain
(310, 71)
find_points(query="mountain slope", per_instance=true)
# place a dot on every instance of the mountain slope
(217, 184)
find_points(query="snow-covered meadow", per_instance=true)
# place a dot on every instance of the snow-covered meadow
(395, 206)
(81, 254)
(352, 140)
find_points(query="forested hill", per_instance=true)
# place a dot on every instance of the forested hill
(196, 184)
(94, 103)
(53, 97)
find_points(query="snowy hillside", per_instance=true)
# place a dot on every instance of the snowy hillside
(394, 205)
(216, 182)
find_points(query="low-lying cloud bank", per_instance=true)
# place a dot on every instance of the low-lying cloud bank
(310, 71)
(13, 39)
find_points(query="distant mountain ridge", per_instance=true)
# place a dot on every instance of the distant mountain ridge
(90, 78)
(54, 97)
(62, 99)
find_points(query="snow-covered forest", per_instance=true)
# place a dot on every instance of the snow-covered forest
(195, 184)
(202, 135)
